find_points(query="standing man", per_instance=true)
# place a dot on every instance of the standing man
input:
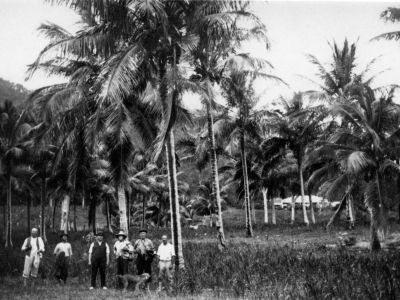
(63, 253)
(122, 250)
(166, 256)
(34, 248)
(99, 258)
(145, 253)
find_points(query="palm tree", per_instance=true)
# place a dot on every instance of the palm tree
(361, 150)
(14, 131)
(297, 127)
(220, 34)
(391, 14)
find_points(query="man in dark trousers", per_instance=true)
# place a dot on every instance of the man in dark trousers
(144, 249)
(99, 258)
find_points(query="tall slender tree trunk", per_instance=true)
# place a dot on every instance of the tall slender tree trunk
(9, 221)
(273, 210)
(83, 200)
(75, 216)
(174, 201)
(352, 218)
(384, 228)
(249, 229)
(94, 208)
(28, 210)
(43, 208)
(128, 209)
(51, 202)
(108, 214)
(303, 203)
(123, 224)
(143, 210)
(293, 211)
(215, 189)
(53, 224)
(65, 213)
(311, 207)
(5, 216)
(375, 244)
(265, 201)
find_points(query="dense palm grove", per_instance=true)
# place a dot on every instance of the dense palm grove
(117, 133)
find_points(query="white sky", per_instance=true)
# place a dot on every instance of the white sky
(295, 29)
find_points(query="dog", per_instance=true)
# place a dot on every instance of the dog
(136, 280)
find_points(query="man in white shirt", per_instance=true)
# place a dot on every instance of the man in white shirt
(99, 259)
(166, 256)
(63, 252)
(34, 248)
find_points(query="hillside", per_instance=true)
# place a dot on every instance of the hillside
(14, 92)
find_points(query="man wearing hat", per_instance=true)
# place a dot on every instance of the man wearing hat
(99, 258)
(34, 248)
(144, 249)
(122, 250)
(63, 252)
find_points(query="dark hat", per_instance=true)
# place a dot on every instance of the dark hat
(99, 233)
(142, 230)
(63, 234)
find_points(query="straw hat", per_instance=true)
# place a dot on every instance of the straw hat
(121, 233)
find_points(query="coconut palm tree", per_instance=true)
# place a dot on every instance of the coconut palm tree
(14, 131)
(362, 152)
(297, 126)
(391, 14)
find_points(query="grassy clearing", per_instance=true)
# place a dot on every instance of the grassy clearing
(281, 262)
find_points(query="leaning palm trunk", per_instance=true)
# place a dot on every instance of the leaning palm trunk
(9, 223)
(174, 202)
(123, 222)
(303, 203)
(265, 201)
(215, 189)
(293, 211)
(350, 206)
(108, 221)
(249, 229)
(311, 208)
(65, 214)
(43, 209)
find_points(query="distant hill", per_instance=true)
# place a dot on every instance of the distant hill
(14, 92)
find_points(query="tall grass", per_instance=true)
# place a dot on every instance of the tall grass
(248, 270)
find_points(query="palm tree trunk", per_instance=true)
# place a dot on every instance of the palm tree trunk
(174, 201)
(75, 226)
(65, 214)
(128, 209)
(293, 211)
(351, 212)
(9, 222)
(43, 208)
(143, 210)
(28, 210)
(249, 229)
(123, 224)
(374, 243)
(382, 208)
(311, 207)
(342, 205)
(265, 200)
(215, 189)
(93, 207)
(108, 213)
(303, 203)
(273, 210)
(53, 226)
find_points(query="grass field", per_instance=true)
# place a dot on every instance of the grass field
(280, 262)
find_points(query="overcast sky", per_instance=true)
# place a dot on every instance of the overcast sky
(295, 29)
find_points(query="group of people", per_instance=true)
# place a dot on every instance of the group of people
(142, 252)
